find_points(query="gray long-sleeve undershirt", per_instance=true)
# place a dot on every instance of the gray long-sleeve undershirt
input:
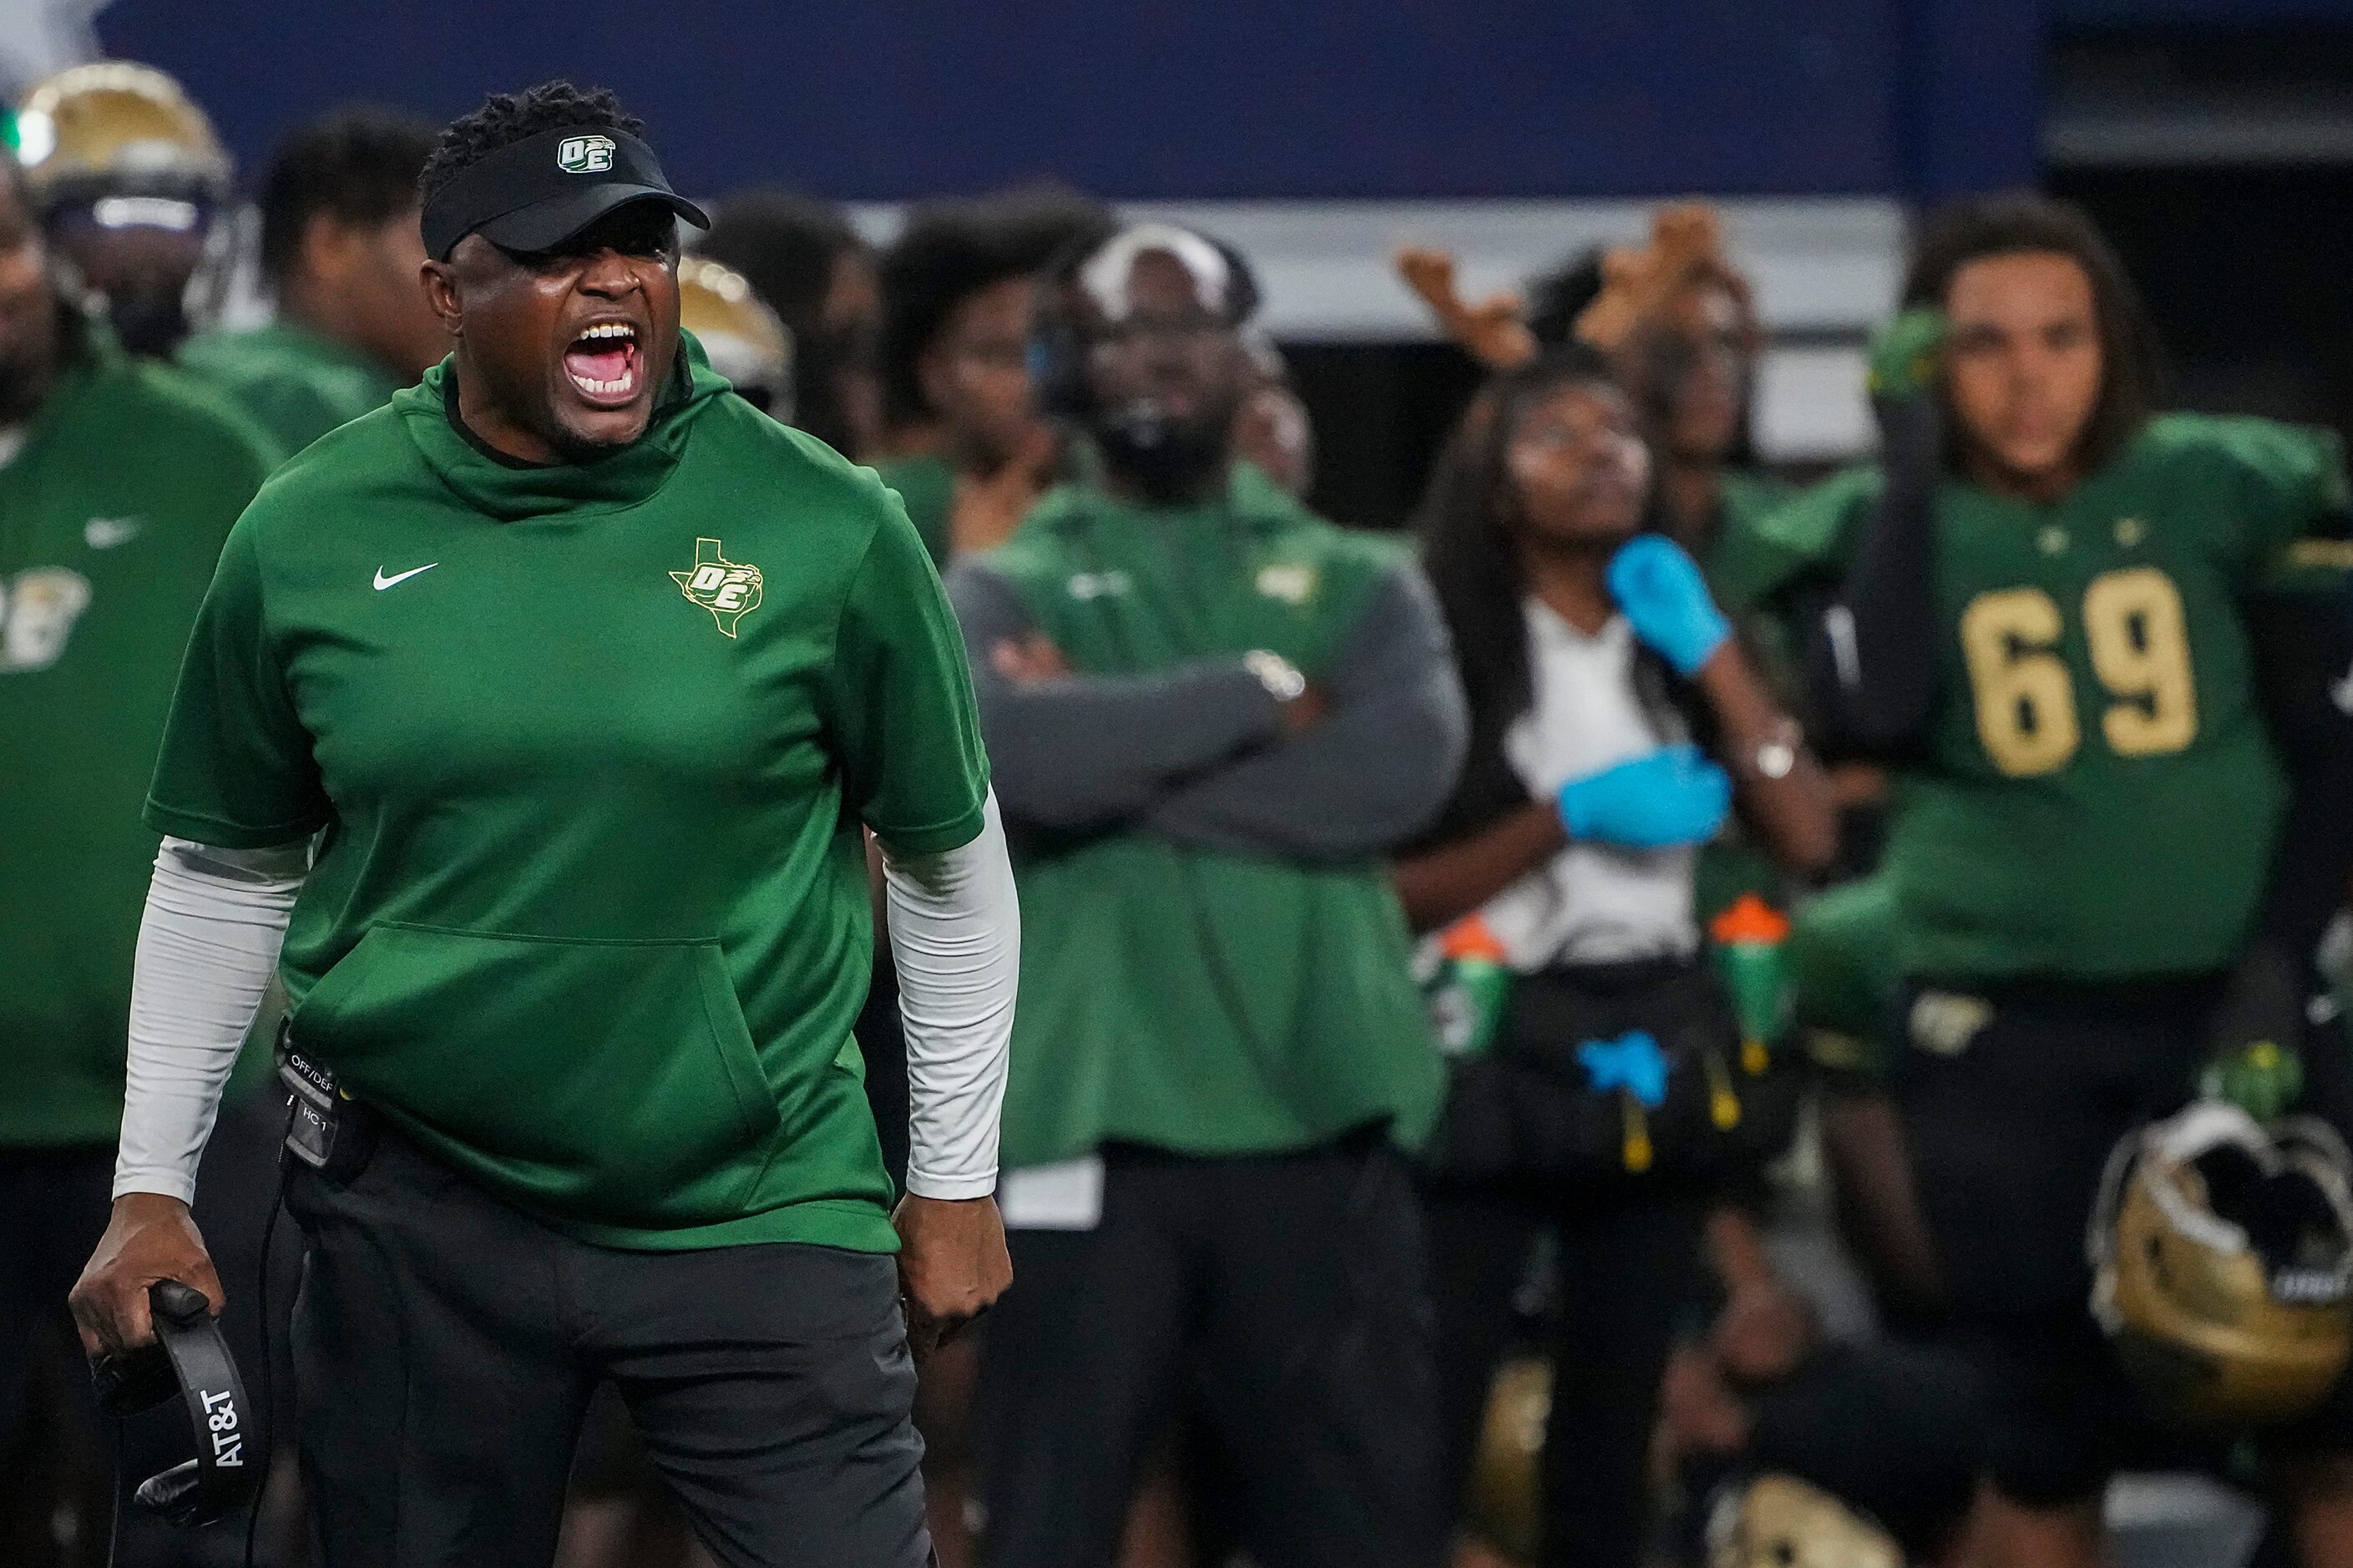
(1198, 756)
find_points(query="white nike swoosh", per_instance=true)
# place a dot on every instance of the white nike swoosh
(383, 581)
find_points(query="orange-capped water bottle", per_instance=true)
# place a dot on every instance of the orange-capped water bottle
(1749, 938)
(1472, 983)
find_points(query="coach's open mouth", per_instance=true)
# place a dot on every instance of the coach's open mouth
(604, 363)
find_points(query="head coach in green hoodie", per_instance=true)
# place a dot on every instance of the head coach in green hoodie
(589, 679)
(1213, 715)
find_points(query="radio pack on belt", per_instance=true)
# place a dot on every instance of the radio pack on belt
(328, 1130)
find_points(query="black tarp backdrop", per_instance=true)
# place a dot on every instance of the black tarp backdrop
(2248, 275)
(2213, 141)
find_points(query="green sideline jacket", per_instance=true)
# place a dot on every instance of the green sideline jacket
(1178, 989)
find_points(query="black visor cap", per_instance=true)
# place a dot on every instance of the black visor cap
(540, 191)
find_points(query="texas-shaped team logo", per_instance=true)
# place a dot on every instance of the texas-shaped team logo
(728, 589)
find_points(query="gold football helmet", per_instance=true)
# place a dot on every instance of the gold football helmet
(114, 129)
(2223, 1260)
(746, 342)
(1779, 1521)
(1506, 1502)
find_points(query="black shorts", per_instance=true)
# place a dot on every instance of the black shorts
(2012, 1099)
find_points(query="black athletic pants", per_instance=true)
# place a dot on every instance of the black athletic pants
(1280, 1297)
(447, 1345)
(1631, 1273)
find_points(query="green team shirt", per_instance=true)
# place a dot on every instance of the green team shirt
(112, 510)
(293, 382)
(1208, 1003)
(591, 745)
(2098, 725)
(926, 487)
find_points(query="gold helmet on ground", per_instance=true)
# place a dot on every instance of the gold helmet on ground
(1507, 1502)
(2222, 1262)
(1779, 1521)
(114, 129)
(743, 338)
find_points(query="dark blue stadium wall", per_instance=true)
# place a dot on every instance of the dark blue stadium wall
(1224, 99)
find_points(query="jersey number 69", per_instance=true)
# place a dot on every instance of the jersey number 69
(2139, 644)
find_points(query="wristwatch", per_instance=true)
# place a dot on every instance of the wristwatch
(1778, 752)
(1282, 679)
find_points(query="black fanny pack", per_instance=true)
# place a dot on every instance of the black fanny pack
(1614, 1074)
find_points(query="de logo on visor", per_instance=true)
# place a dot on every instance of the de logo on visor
(584, 154)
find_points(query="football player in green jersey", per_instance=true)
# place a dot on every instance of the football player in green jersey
(340, 249)
(118, 480)
(2105, 651)
(131, 182)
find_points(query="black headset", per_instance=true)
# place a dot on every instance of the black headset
(190, 1358)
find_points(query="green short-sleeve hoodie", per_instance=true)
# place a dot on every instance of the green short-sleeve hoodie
(591, 745)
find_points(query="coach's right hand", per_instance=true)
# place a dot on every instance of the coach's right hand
(150, 1236)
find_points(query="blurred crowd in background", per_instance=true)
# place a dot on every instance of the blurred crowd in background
(1533, 1172)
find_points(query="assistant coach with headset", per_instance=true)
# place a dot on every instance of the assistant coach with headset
(585, 675)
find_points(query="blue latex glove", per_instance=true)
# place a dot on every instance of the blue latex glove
(1672, 797)
(1666, 599)
(1633, 1062)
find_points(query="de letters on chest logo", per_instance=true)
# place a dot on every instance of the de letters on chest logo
(728, 589)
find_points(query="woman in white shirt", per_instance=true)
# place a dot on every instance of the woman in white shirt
(1615, 724)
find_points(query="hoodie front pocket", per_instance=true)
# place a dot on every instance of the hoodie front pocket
(613, 1081)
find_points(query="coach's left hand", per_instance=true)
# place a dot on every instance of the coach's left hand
(953, 1266)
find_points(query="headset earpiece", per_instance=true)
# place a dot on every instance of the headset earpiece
(190, 1358)
(1057, 355)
